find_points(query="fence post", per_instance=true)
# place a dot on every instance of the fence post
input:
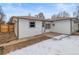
(8, 28)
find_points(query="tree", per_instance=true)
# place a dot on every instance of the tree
(63, 14)
(53, 17)
(76, 12)
(41, 15)
(60, 14)
(10, 21)
(2, 15)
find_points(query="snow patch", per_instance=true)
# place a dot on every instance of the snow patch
(60, 37)
(66, 46)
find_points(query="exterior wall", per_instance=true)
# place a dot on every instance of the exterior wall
(15, 29)
(26, 31)
(61, 27)
(48, 30)
(74, 27)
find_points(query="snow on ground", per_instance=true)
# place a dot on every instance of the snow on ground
(66, 46)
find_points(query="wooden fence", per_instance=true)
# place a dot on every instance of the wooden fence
(6, 28)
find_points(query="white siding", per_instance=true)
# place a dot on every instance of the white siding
(26, 31)
(61, 27)
(15, 28)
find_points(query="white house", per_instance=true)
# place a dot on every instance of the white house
(65, 25)
(26, 26)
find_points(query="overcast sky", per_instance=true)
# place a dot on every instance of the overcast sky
(23, 9)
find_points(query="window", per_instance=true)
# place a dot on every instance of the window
(32, 24)
(53, 24)
(47, 26)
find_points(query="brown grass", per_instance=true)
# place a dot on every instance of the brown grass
(18, 44)
(7, 37)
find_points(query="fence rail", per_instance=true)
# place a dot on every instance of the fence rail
(6, 28)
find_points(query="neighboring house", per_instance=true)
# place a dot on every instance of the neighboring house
(26, 26)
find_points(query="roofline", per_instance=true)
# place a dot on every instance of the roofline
(43, 19)
(32, 19)
(65, 19)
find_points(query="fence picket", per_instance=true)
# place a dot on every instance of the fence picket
(6, 28)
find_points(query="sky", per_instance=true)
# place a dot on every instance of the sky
(24, 9)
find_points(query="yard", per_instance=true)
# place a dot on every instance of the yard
(65, 46)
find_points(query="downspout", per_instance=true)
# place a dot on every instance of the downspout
(43, 27)
(70, 26)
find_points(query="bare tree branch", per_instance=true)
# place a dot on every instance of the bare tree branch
(2, 15)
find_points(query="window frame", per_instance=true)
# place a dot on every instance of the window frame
(32, 24)
(47, 26)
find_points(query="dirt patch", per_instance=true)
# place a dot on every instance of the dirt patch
(52, 34)
(7, 37)
(18, 44)
(21, 43)
(76, 33)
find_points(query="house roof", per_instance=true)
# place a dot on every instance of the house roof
(30, 18)
(63, 18)
(37, 19)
